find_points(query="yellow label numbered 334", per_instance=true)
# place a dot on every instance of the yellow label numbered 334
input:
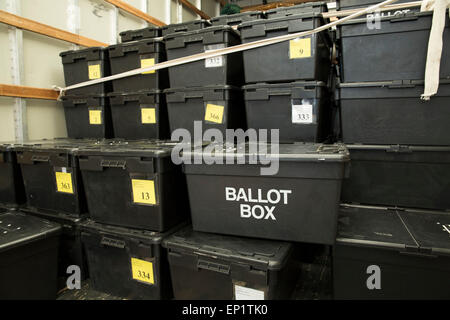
(214, 113)
(300, 48)
(64, 182)
(143, 191)
(94, 71)
(142, 270)
(95, 117)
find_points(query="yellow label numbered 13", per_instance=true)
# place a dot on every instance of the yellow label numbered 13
(143, 191)
(148, 115)
(147, 63)
(214, 113)
(142, 270)
(64, 182)
(300, 48)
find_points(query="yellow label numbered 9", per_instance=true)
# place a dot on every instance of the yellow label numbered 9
(143, 191)
(300, 48)
(94, 72)
(148, 115)
(214, 113)
(142, 270)
(64, 182)
(147, 63)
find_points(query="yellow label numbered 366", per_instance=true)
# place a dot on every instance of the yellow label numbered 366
(147, 63)
(143, 191)
(95, 116)
(300, 48)
(214, 113)
(94, 71)
(148, 115)
(142, 270)
(64, 182)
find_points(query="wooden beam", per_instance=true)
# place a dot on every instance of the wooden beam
(273, 5)
(27, 92)
(46, 30)
(136, 12)
(194, 9)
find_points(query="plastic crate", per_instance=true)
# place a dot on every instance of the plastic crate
(291, 204)
(300, 110)
(84, 65)
(51, 175)
(392, 113)
(236, 19)
(405, 176)
(140, 115)
(299, 59)
(134, 55)
(222, 70)
(140, 34)
(185, 26)
(355, 4)
(213, 267)
(218, 107)
(308, 7)
(127, 263)
(28, 257)
(383, 253)
(12, 192)
(397, 50)
(70, 252)
(134, 184)
(88, 117)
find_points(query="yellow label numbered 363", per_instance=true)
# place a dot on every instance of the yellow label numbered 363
(64, 182)
(214, 113)
(94, 71)
(143, 191)
(95, 116)
(142, 270)
(148, 115)
(147, 63)
(300, 48)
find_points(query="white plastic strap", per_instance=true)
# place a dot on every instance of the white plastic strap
(435, 44)
(219, 52)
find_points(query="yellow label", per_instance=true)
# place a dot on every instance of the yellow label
(148, 115)
(147, 63)
(142, 270)
(94, 71)
(214, 113)
(300, 48)
(143, 191)
(64, 182)
(95, 116)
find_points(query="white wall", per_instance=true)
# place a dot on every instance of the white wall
(95, 19)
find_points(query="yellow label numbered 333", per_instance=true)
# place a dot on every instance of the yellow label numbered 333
(142, 270)
(143, 191)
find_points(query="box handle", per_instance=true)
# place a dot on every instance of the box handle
(213, 266)
(113, 164)
(112, 243)
(36, 158)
